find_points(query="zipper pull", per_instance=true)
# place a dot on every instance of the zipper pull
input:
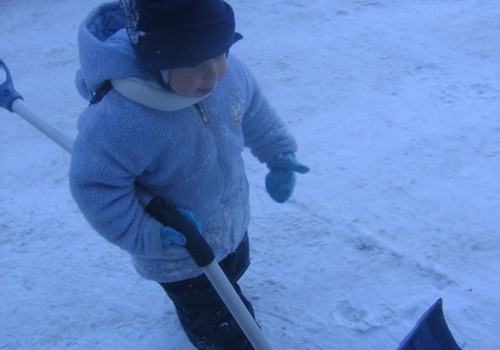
(203, 115)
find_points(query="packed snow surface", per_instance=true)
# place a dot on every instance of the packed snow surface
(396, 109)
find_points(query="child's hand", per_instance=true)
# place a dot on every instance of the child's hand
(184, 220)
(171, 237)
(280, 181)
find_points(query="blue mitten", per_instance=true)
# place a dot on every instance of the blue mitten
(184, 221)
(280, 181)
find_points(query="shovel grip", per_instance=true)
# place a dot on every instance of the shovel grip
(196, 245)
(7, 92)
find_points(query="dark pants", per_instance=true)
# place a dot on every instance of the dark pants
(204, 317)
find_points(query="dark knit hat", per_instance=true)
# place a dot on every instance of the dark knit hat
(168, 34)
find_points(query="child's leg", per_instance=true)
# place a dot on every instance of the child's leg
(204, 317)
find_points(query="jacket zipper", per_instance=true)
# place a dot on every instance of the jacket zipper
(205, 119)
(203, 115)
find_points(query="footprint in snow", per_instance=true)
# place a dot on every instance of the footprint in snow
(346, 314)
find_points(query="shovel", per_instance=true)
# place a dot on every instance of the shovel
(196, 245)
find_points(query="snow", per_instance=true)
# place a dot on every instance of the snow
(395, 105)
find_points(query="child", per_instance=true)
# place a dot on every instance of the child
(171, 110)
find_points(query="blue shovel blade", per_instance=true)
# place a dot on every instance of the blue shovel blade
(431, 332)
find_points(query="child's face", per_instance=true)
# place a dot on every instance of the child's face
(199, 80)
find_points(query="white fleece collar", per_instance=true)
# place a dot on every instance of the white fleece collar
(151, 94)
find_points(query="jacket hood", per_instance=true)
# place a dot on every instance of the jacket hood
(105, 50)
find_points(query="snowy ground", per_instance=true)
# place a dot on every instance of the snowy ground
(395, 105)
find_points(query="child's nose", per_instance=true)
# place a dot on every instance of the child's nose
(211, 71)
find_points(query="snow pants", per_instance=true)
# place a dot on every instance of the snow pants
(206, 320)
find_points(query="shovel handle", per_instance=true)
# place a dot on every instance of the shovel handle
(196, 245)
(7, 92)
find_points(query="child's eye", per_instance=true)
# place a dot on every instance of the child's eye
(221, 57)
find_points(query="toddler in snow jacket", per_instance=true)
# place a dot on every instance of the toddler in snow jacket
(185, 149)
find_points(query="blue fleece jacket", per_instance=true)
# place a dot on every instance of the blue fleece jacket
(189, 160)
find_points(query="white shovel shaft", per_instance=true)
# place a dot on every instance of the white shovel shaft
(42, 124)
(236, 306)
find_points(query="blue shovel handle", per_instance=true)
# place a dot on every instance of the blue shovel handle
(7, 92)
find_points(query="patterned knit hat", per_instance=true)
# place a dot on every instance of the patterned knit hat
(169, 34)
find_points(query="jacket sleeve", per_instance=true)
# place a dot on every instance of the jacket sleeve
(265, 133)
(102, 182)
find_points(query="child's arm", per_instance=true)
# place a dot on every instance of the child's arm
(265, 133)
(267, 136)
(103, 185)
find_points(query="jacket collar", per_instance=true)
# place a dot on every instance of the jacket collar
(151, 94)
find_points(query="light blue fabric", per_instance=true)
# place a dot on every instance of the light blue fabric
(184, 223)
(175, 155)
(280, 181)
